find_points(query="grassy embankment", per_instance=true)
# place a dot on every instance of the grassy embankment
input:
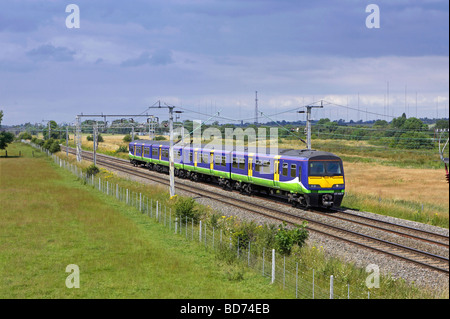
(50, 220)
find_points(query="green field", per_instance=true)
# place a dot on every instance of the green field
(50, 220)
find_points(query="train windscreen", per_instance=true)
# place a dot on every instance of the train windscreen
(325, 168)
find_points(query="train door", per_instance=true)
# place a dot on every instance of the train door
(195, 157)
(276, 172)
(250, 167)
(160, 152)
(211, 161)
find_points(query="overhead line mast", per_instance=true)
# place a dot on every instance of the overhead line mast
(256, 108)
(308, 122)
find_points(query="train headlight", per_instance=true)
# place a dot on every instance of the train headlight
(338, 185)
(313, 186)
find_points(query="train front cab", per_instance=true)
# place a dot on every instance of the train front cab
(325, 182)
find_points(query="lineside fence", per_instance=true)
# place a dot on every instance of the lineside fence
(280, 270)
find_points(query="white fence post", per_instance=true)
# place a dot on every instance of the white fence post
(200, 232)
(273, 266)
(331, 287)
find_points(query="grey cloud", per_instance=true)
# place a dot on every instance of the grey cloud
(50, 52)
(160, 57)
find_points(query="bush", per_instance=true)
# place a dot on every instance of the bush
(286, 238)
(54, 147)
(244, 233)
(122, 149)
(99, 138)
(185, 207)
(127, 138)
(47, 144)
(92, 170)
(159, 138)
(25, 136)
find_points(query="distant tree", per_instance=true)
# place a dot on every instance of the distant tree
(399, 121)
(380, 123)
(5, 137)
(442, 124)
(55, 131)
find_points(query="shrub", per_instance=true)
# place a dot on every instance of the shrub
(122, 149)
(159, 138)
(99, 138)
(185, 207)
(92, 170)
(286, 238)
(47, 144)
(244, 233)
(127, 138)
(25, 136)
(54, 147)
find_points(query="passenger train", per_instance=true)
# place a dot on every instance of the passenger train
(307, 178)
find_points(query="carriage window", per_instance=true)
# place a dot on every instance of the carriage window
(155, 152)
(204, 157)
(285, 169)
(177, 154)
(235, 165)
(258, 165)
(242, 163)
(218, 159)
(191, 156)
(146, 151)
(266, 167)
(293, 170)
(224, 161)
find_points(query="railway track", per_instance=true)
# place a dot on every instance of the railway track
(410, 254)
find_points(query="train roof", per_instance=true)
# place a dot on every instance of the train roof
(303, 153)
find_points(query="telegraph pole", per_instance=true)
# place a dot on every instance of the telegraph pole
(308, 122)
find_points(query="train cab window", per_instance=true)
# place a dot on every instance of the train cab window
(235, 162)
(293, 170)
(285, 169)
(242, 163)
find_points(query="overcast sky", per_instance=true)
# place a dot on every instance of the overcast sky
(212, 55)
